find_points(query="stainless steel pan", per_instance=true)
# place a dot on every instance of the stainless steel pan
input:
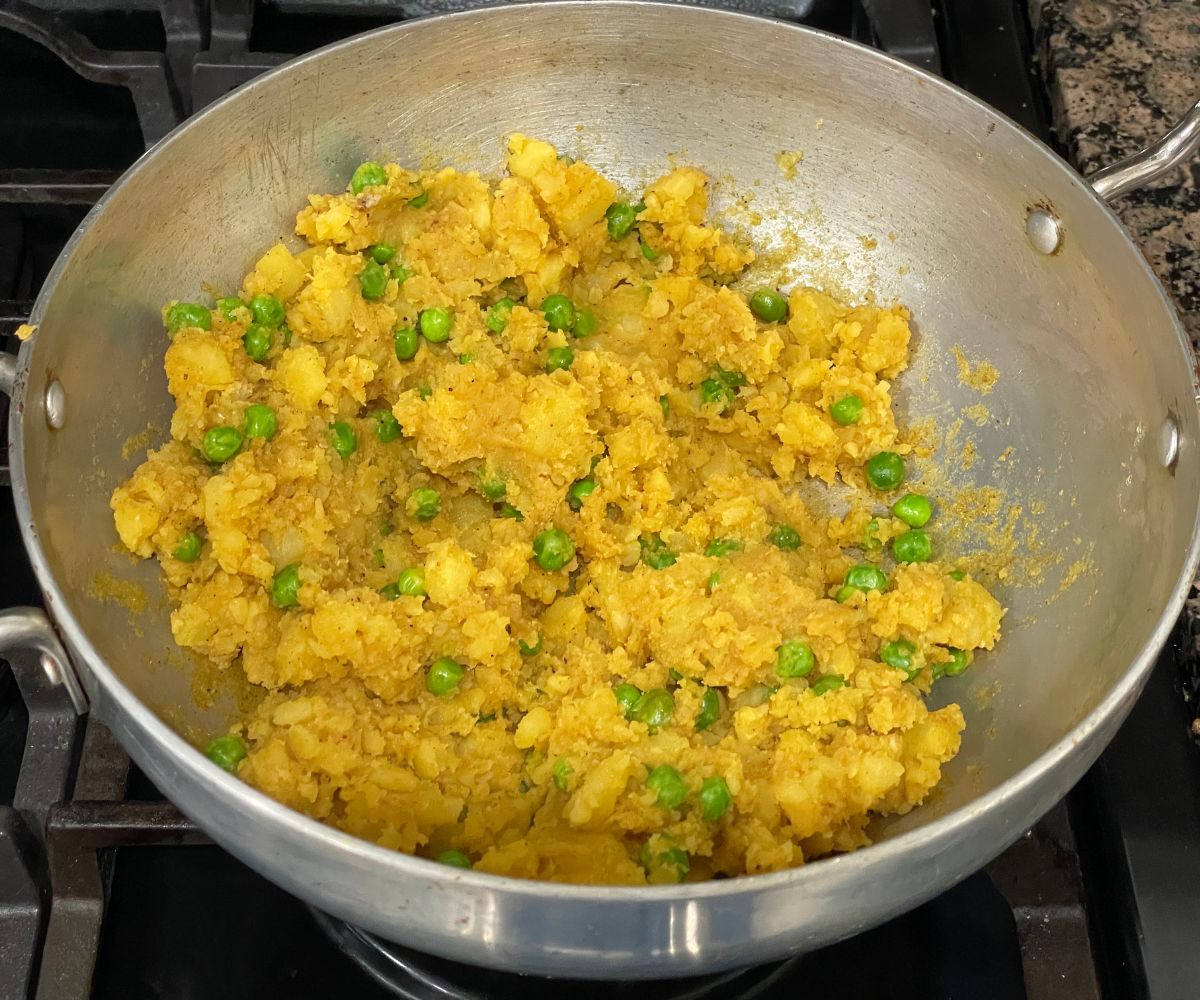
(998, 247)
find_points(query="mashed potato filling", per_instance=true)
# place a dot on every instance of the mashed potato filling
(683, 687)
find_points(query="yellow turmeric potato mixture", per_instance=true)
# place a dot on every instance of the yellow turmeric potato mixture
(499, 493)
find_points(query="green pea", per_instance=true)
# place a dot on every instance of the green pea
(885, 471)
(784, 537)
(845, 593)
(669, 785)
(257, 341)
(401, 274)
(673, 861)
(559, 359)
(580, 490)
(655, 552)
(865, 577)
(847, 410)
(732, 379)
(553, 549)
(188, 548)
(898, 653)
(229, 308)
(424, 503)
(871, 542)
(387, 427)
(768, 305)
(627, 696)
(650, 253)
(528, 650)
(710, 709)
(559, 312)
(664, 404)
(188, 314)
(381, 253)
(372, 281)
(285, 587)
(957, 574)
(620, 217)
(670, 865)
(715, 799)
(585, 325)
(561, 773)
(259, 421)
(411, 582)
(499, 314)
(226, 752)
(266, 310)
(794, 658)
(913, 546)
(508, 510)
(221, 443)
(719, 547)
(720, 390)
(343, 438)
(829, 683)
(492, 487)
(420, 201)
(455, 859)
(913, 509)
(390, 591)
(435, 324)
(960, 659)
(716, 394)
(443, 676)
(655, 708)
(367, 175)
(406, 340)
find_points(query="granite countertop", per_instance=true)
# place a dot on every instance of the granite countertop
(1119, 73)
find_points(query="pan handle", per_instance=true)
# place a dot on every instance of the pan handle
(8, 372)
(29, 628)
(1155, 161)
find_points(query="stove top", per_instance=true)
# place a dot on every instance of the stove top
(106, 891)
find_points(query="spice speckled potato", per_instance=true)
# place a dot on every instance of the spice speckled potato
(494, 491)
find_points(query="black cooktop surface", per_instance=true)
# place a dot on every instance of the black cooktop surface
(129, 902)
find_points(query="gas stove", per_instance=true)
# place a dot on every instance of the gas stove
(107, 891)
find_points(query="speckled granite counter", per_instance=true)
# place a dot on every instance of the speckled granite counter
(1119, 73)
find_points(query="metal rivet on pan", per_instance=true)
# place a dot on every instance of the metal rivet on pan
(56, 405)
(50, 669)
(1044, 231)
(1168, 443)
